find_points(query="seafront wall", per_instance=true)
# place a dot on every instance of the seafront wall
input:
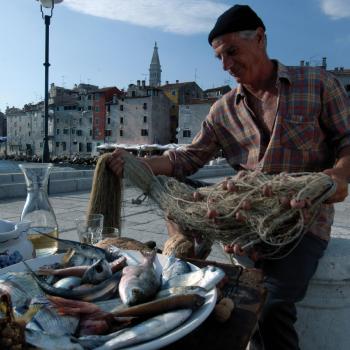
(13, 185)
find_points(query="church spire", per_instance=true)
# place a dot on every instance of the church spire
(154, 68)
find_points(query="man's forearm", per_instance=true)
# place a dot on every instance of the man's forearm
(160, 165)
(343, 163)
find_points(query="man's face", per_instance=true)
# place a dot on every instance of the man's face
(240, 56)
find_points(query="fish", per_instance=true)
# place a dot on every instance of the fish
(79, 271)
(164, 293)
(43, 340)
(207, 277)
(86, 250)
(174, 267)
(97, 272)
(22, 288)
(101, 291)
(139, 283)
(156, 307)
(68, 282)
(48, 320)
(145, 331)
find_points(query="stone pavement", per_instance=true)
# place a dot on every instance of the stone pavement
(143, 222)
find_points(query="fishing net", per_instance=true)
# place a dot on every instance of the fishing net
(250, 208)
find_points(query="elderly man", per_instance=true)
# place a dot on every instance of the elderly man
(278, 119)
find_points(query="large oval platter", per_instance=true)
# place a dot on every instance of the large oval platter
(196, 319)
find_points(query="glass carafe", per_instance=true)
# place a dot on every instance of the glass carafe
(38, 210)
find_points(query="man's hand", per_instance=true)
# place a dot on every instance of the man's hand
(341, 182)
(116, 161)
(236, 249)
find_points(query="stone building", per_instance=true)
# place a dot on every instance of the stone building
(142, 115)
(191, 117)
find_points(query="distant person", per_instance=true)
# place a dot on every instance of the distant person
(278, 119)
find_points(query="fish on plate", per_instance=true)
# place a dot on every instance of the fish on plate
(139, 283)
(207, 277)
(145, 331)
(174, 267)
(101, 291)
(43, 340)
(86, 250)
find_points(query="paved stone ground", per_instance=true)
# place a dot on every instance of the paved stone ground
(143, 222)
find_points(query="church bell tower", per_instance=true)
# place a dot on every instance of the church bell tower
(154, 68)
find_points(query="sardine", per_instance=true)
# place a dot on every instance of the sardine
(139, 283)
(99, 292)
(84, 249)
(145, 331)
(43, 340)
(207, 277)
(174, 267)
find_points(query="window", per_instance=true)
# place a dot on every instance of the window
(73, 131)
(29, 133)
(57, 120)
(145, 105)
(144, 132)
(65, 131)
(121, 133)
(97, 97)
(90, 120)
(173, 92)
(64, 146)
(108, 108)
(79, 132)
(186, 133)
(108, 120)
(145, 119)
(121, 107)
(121, 120)
(89, 97)
(88, 147)
(97, 109)
(89, 108)
(57, 131)
(80, 147)
(80, 121)
(108, 132)
(347, 87)
(57, 144)
(90, 132)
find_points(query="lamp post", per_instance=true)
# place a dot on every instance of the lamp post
(47, 4)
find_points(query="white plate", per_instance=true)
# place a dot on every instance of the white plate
(197, 317)
(8, 230)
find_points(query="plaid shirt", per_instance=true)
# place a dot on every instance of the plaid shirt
(311, 126)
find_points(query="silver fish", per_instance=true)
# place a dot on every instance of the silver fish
(101, 291)
(84, 249)
(207, 278)
(68, 282)
(164, 293)
(97, 273)
(148, 330)
(21, 286)
(174, 267)
(139, 283)
(43, 340)
(48, 320)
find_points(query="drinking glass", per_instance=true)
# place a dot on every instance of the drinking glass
(110, 232)
(90, 228)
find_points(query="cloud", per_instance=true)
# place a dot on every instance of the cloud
(176, 16)
(336, 9)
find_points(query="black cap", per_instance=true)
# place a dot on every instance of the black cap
(236, 19)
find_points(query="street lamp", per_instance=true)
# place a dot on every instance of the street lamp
(48, 4)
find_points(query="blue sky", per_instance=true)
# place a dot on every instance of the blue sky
(110, 42)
